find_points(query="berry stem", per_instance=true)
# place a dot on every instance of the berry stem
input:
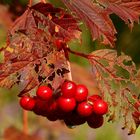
(69, 74)
(25, 122)
(43, 1)
(78, 53)
(30, 3)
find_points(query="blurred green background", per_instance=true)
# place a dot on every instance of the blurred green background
(10, 112)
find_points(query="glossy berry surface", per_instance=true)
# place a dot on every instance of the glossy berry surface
(95, 121)
(74, 119)
(27, 103)
(81, 93)
(40, 106)
(52, 116)
(44, 93)
(84, 109)
(59, 43)
(100, 107)
(94, 98)
(68, 89)
(66, 104)
(52, 106)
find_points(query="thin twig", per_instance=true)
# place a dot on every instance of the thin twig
(78, 53)
(69, 74)
(25, 122)
(30, 3)
(43, 1)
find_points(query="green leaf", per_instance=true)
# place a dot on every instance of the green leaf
(118, 82)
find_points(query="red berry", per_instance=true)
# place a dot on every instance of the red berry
(74, 119)
(81, 93)
(41, 106)
(66, 104)
(84, 109)
(59, 43)
(94, 98)
(27, 103)
(52, 116)
(100, 107)
(52, 106)
(44, 93)
(95, 121)
(68, 89)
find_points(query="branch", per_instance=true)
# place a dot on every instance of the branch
(78, 53)
(30, 3)
(25, 122)
(43, 1)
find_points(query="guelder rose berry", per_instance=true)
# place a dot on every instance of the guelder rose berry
(94, 98)
(44, 93)
(68, 89)
(27, 103)
(81, 93)
(95, 121)
(66, 104)
(100, 107)
(84, 109)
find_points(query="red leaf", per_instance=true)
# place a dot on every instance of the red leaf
(127, 10)
(60, 24)
(30, 58)
(118, 82)
(96, 18)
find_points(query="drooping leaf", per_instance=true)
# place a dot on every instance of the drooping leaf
(31, 57)
(117, 80)
(96, 16)
(127, 10)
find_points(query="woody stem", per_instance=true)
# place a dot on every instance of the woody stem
(25, 122)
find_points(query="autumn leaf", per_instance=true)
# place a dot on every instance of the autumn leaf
(117, 81)
(127, 10)
(96, 15)
(84, 77)
(31, 57)
(96, 18)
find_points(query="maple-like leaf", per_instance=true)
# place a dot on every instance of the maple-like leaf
(31, 57)
(117, 80)
(127, 10)
(96, 15)
(96, 18)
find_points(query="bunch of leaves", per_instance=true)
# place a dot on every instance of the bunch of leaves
(116, 75)
(30, 57)
(96, 16)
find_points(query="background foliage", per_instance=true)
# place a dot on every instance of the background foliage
(10, 112)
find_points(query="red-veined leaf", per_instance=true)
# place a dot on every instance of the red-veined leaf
(117, 80)
(31, 57)
(96, 18)
(127, 10)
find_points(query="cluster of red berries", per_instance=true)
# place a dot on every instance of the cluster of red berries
(72, 105)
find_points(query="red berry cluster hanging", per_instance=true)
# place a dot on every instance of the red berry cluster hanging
(72, 105)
